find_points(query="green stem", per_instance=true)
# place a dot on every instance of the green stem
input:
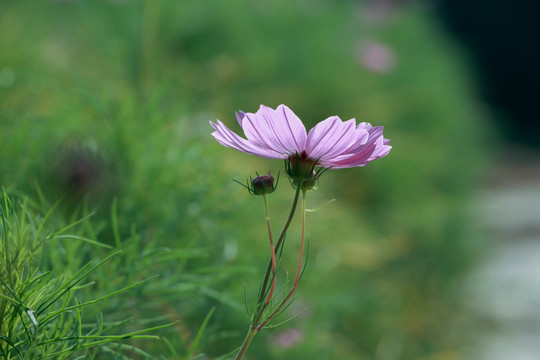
(260, 305)
(251, 333)
(278, 245)
(298, 270)
(273, 252)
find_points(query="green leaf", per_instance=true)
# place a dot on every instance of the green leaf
(199, 334)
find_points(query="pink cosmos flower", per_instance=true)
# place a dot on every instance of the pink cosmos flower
(280, 134)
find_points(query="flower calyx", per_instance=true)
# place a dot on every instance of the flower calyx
(300, 167)
(301, 171)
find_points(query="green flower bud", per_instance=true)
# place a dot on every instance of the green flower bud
(307, 184)
(262, 185)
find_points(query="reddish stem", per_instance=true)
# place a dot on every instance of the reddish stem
(274, 263)
(298, 270)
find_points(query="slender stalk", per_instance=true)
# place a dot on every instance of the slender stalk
(298, 270)
(260, 308)
(251, 333)
(279, 243)
(274, 263)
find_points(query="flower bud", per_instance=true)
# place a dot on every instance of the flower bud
(307, 184)
(262, 185)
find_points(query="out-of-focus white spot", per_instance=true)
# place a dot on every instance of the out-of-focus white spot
(230, 250)
(30, 314)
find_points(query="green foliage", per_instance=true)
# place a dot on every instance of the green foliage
(41, 312)
(105, 105)
(51, 283)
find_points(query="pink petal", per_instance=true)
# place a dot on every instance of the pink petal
(332, 137)
(279, 133)
(374, 134)
(361, 139)
(280, 130)
(375, 148)
(239, 116)
(361, 158)
(295, 127)
(229, 139)
(364, 125)
(382, 150)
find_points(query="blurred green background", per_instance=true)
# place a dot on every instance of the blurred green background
(103, 100)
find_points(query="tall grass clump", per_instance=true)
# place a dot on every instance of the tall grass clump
(63, 294)
(43, 313)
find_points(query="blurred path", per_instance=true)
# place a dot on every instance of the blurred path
(504, 292)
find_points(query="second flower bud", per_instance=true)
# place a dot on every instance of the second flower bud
(262, 185)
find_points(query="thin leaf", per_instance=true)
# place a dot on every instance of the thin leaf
(114, 223)
(72, 282)
(199, 334)
(66, 228)
(320, 207)
(171, 348)
(75, 237)
(76, 306)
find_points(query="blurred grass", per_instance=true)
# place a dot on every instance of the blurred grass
(111, 99)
